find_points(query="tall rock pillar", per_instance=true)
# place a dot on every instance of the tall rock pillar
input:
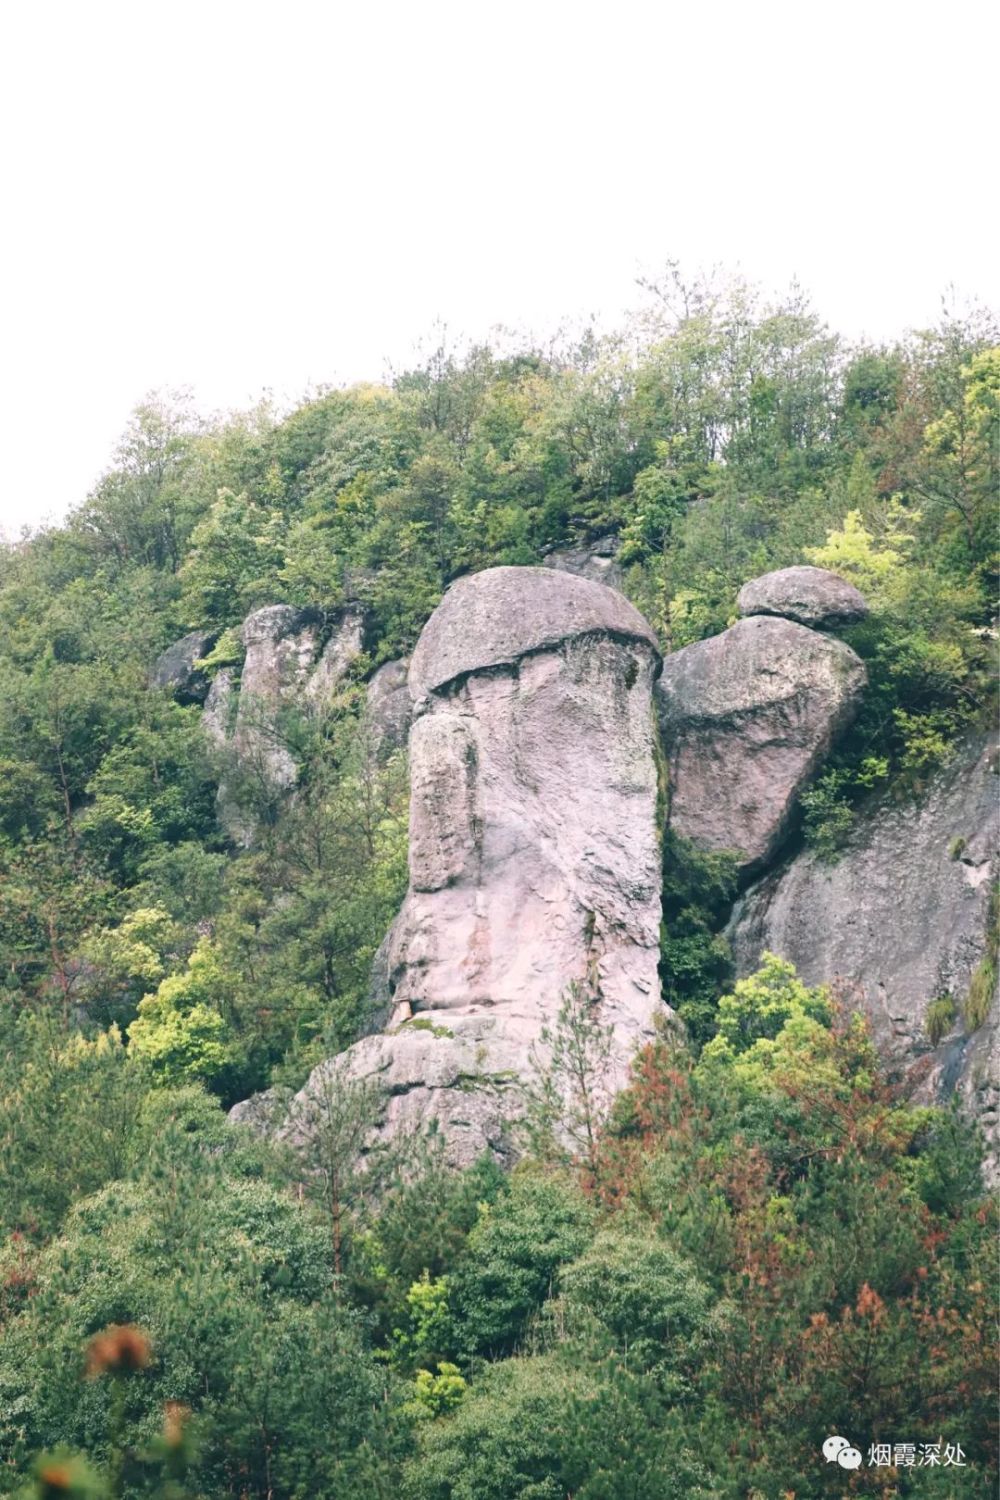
(534, 853)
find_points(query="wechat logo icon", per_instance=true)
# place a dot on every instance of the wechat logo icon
(838, 1450)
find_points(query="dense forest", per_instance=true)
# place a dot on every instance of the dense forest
(762, 1245)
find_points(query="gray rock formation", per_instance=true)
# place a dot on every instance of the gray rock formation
(285, 668)
(175, 669)
(291, 664)
(534, 861)
(281, 646)
(389, 709)
(342, 648)
(812, 596)
(220, 708)
(596, 560)
(463, 1080)
(899, 921)
(747, 718)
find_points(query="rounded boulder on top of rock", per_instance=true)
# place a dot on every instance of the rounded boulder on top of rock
(810, 596)
(747, 718)
(494, 618)
(533, 857)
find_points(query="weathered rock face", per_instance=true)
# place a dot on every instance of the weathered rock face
(281, 647)
(494, 618)
(342, 648)
(175, 668)
(534, 861)
(219, 711)
(464, 1079)
(596, 560)
(747, 718)
(287, 666)
(900, 920)
(389, 707)
(812, 596)
(532, 838)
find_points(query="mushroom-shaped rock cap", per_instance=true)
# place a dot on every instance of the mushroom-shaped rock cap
(493, 618)
(812, 596)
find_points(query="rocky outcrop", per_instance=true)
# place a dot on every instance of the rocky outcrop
(902, 920)
(534, 862)
(463, 1081)
(220, 709)
(747, 717)
(810, 596)
(293, 662)
(389, 710)
(287, 666)
(596, 560)
(175, 669)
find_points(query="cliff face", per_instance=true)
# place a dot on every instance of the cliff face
(531, 702)
(898, 923)
(291, 662)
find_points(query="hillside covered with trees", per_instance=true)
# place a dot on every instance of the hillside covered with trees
(762, 1244)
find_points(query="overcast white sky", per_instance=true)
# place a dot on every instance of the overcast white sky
(245, 196)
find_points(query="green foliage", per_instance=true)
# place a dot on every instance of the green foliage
(428, 1322)
(983, 984)
(828, 817)
(70, 1115)
(180, 1030)
(695, 965)
(231, 1284)
(423, 1221)
(539, 1429)
(567, 1100)
(441, 1393)
(337, 1158)
(645, 1304)
(511, 1260)
(762, 1005)
(941, 1014)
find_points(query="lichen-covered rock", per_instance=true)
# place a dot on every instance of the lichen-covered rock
(899, 921)
(747, 718)
(811, 596)
(534, 861)
(596, 560)
(175, 670)
(389, 708)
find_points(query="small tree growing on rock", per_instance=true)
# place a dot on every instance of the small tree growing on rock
(570, 1095)
(332, 1129)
